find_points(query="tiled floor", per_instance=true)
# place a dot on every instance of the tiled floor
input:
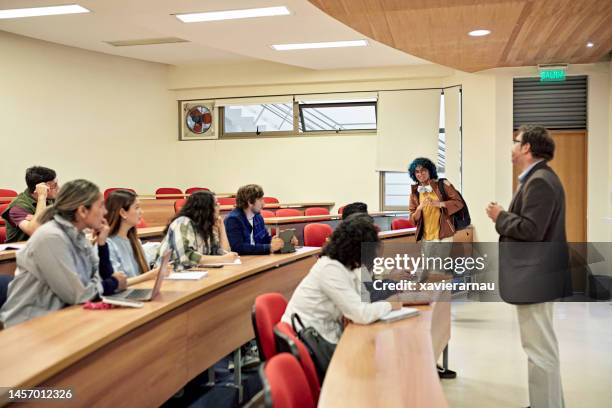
(491, 366)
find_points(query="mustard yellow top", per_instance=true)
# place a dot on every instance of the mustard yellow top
(431, 217)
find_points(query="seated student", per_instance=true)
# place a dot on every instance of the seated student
(126, 252)
(354, 208)
(246, 229)
(332, 288)
(196, 235)
(59, 266)
(23, 214)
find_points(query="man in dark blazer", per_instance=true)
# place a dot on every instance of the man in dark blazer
(534, 264)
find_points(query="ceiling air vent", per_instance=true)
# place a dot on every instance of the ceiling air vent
(146, 41)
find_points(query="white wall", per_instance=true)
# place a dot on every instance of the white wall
(87, 115)
(322, 168)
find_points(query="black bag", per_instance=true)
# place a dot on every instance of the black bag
(320, 350)
(461, 219)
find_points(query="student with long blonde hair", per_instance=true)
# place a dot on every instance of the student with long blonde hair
(59, 266)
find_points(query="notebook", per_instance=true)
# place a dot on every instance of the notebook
(187, 275)
(403, 313)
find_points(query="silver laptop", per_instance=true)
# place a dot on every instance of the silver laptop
(145, 295)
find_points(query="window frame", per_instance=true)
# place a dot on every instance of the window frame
(306, 105)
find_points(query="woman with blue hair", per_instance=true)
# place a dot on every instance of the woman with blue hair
(430, 210)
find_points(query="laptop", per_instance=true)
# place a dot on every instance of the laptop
(145, 295)
(286, 236)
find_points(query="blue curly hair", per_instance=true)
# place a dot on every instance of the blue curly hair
(425, 163)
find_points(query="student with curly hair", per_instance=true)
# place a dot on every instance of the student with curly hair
(196, 235)
(332, 288)
(428, 211)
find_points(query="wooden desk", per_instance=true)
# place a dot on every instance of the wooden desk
(146, 355)
(383, 219)
(389, 364)
(159, 212)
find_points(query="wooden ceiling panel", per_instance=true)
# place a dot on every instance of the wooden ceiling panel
(523, 32)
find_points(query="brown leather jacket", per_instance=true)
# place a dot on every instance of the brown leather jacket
(451, 206)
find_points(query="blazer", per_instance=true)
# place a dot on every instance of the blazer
(238, 230)
(534, 256)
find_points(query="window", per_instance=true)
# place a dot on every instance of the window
(297, 115)
(337, 116)
(395, 191)
(257, 119)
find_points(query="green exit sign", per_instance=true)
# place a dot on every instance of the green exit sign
(551, 75)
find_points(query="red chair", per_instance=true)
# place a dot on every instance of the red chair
(168, 190)
(267, 311)
(267, 213)
(226, 200)
(316, 211)
(285, 384)
(401, 223)
(2, 235)
(340, 210)
(6, 195)
(178, 204)
(288, 341)
(142, 223)
(192, 190)
(315, 235)
(2, 208)
(270, 200)
(288, 212)
(108, 191)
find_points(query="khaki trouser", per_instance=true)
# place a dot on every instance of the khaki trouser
(540, 344)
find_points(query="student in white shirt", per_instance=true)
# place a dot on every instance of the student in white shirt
(125, 249)
(332, 288)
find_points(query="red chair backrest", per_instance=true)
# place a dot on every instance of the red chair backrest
(270, 200)
(341, 209)
(316, 211)
(267, 311)
(6, 195)
(178, 204)
(2, 208)
(287, 340)
(142, 223)
(2, 235)
(267, 213)
(288, 212)
(108, 191)
(168, 190)
(192, 190)
(226, 200)
(316, 234)
(285, 384)
(401, 223)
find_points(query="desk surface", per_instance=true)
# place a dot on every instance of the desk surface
(329, 217)
(389, 364)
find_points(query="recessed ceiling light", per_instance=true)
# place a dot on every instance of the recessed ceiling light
(479, 33)
(590, 45)
(329, 44)
(233, 14)
(42, 11)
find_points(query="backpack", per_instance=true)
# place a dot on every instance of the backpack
(461, 219)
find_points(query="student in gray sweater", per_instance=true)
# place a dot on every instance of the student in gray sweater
(59, 266)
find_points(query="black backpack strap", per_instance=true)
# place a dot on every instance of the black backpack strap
(295, 317)
(442, 190)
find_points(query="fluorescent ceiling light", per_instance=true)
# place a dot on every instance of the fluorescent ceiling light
(233, 14)
(479, 33)
(330, 44)
(42, 11)
(590, 45)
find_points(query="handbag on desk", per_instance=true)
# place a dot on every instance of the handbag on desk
(320, 350)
